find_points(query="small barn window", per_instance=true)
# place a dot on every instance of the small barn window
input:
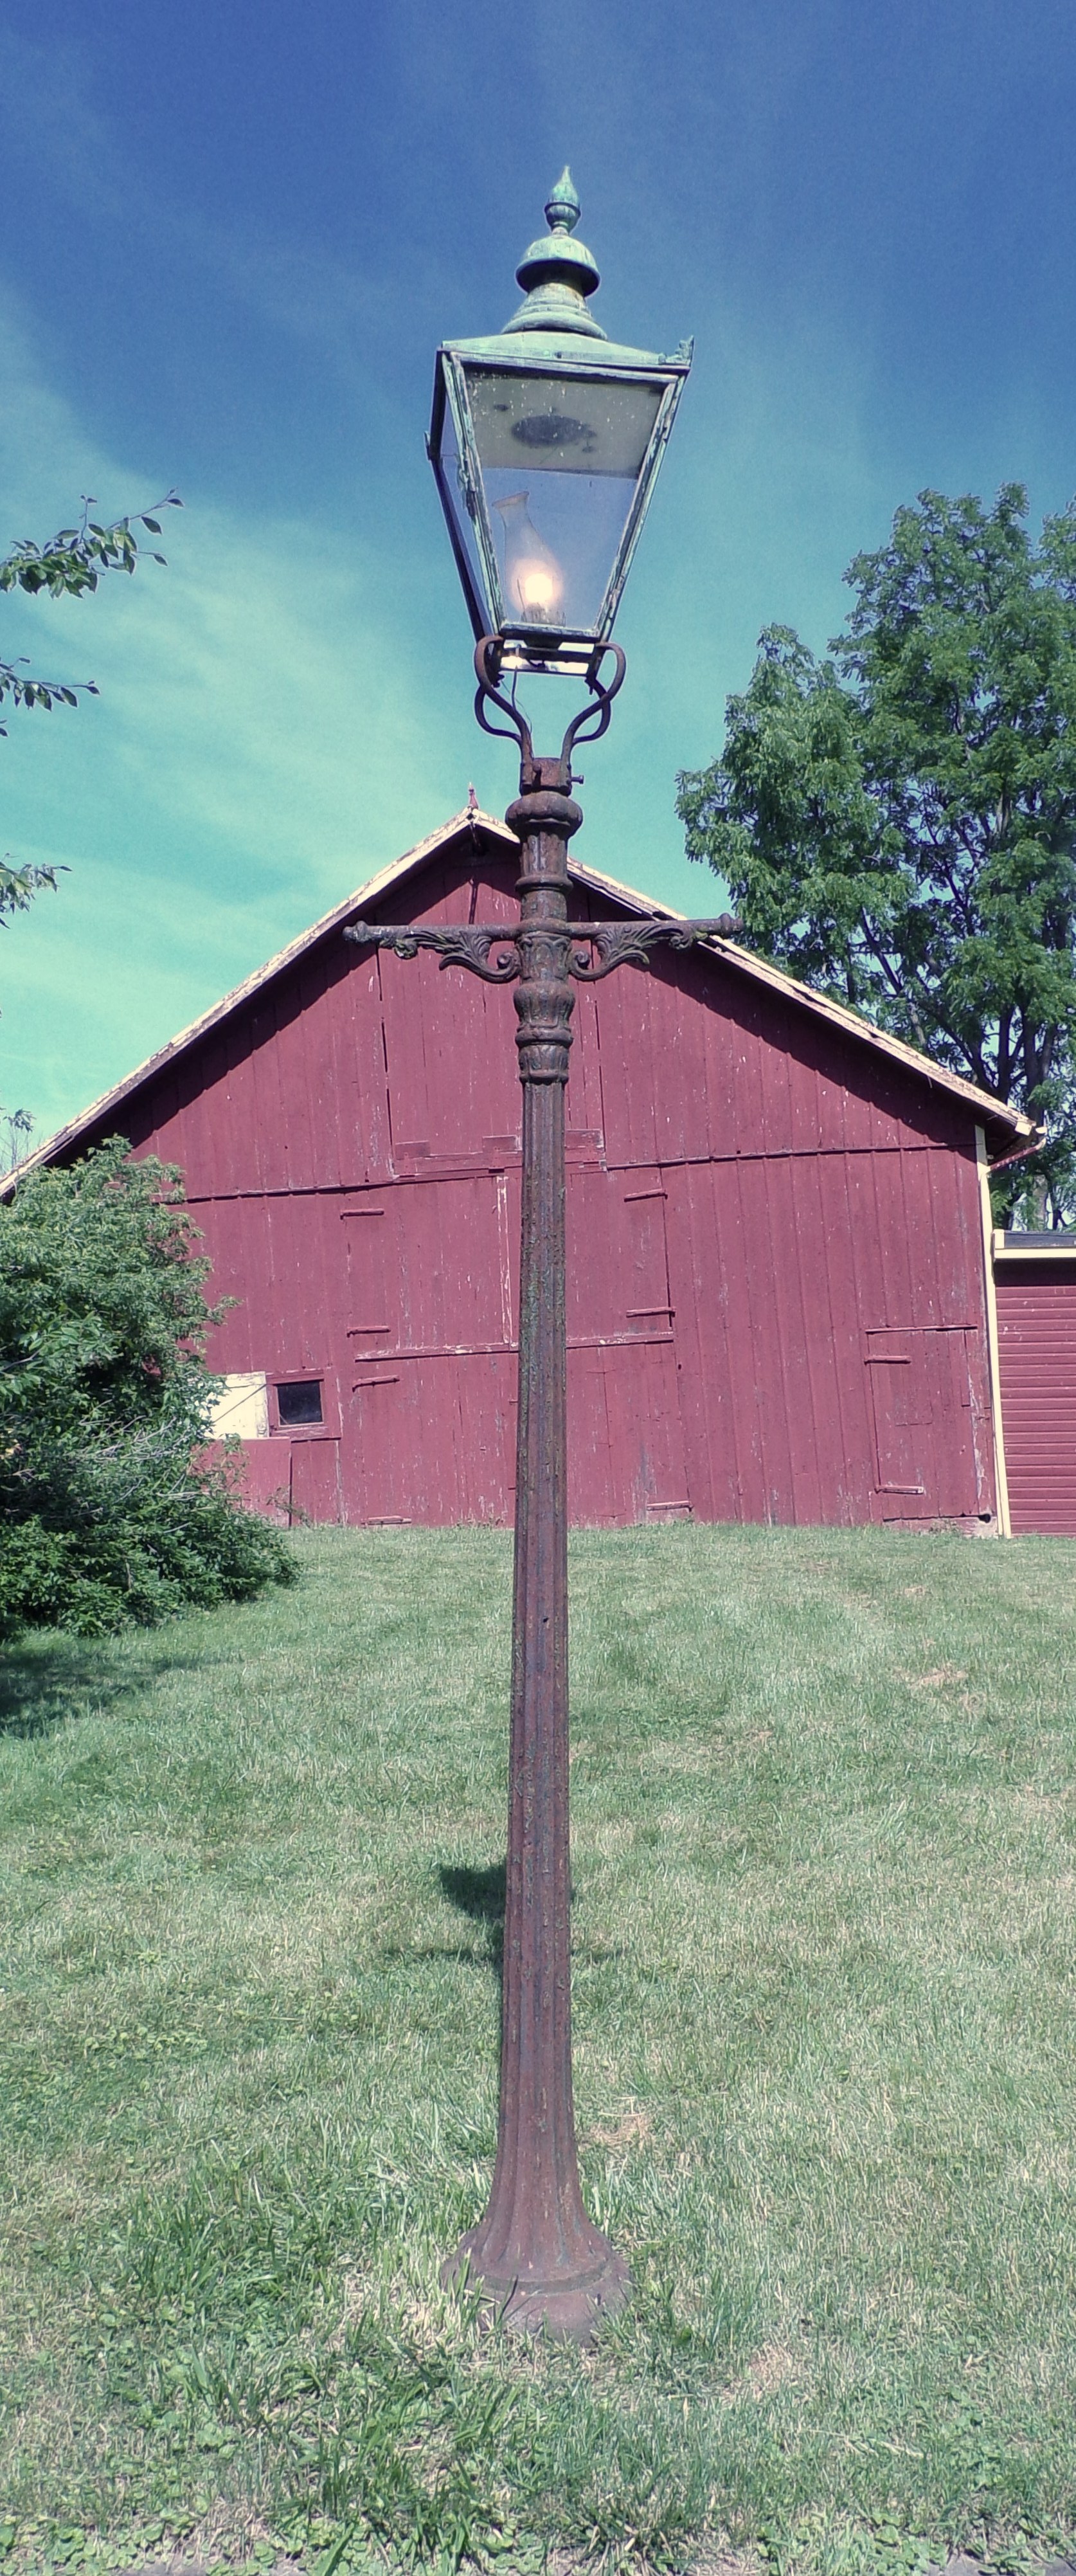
(299, 1401)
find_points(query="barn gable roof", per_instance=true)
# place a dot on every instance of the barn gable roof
(474, 825)
(759, 971)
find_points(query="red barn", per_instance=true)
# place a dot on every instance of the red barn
(1035, 1276)
(780, 1304)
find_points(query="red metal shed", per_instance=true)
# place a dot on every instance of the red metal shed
(1035, 1286)
(778, 1302)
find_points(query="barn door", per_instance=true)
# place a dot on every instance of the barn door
(431, 1374)
(430, 1371)
(314, 1488)
(928, 1461)
(625, 1442)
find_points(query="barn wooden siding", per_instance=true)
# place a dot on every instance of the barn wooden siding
(776, 1302)
(1036, 1302)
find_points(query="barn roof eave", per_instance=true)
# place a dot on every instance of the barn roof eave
(471, 820)
(991, 1113)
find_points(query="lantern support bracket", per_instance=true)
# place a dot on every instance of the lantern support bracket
(588, 726)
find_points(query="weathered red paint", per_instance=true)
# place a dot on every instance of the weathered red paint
(1036, 1301)
(776, 1294)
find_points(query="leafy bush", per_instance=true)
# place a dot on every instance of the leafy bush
(109, 1510)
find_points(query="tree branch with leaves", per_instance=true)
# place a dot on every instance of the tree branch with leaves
(70, 564)
(897, 822)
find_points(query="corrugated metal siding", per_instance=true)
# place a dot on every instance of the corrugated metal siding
(775, 1271)
(1036, 1304)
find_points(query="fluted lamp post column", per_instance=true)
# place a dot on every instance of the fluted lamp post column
(545, 442)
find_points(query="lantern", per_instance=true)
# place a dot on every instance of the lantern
(545, 441)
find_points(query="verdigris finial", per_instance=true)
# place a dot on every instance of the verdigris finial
(557, 274)
(563, 210)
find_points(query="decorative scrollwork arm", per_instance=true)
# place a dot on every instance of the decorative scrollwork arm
(471, 948)
(458, 944)
(595, 948)
(628, 943)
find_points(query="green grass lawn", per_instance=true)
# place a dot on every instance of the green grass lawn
(825, 1938)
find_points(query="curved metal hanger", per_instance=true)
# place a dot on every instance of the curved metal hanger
(487, 662)
(588, 726)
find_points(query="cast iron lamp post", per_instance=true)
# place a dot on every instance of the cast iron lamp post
(545, 442)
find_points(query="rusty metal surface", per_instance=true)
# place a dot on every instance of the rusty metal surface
(536, 2252)
(616, 943)
(541, 2261)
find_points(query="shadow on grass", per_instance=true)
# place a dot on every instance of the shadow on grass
(48, 1679)
(478, 1893)
(43, 1684)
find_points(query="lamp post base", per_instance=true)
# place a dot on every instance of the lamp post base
(569, 2306)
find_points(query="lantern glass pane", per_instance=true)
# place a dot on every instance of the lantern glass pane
(560, 459)
(455, 487)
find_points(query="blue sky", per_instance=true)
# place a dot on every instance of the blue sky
(233, 238)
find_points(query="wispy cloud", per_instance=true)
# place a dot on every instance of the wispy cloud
(260, 745)
(295, 283)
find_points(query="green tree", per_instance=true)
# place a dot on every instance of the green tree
(70, 564)
(108, 1509)
(897, 824)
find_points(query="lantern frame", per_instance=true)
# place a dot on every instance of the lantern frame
(552, 336)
